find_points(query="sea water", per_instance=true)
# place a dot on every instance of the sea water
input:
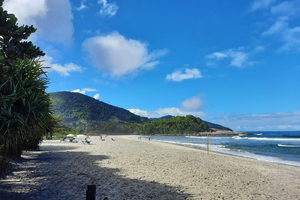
(280, 147)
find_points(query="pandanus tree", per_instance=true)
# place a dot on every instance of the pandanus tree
(25, 107)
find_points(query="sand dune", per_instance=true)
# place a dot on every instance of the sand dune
(140, 169)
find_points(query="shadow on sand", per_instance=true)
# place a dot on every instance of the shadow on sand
(45, 175)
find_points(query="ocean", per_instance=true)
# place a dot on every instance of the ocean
(272, 146)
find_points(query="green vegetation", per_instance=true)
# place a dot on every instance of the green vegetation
(86, 113)
(93, 116)
(25, 115)
(172, 126)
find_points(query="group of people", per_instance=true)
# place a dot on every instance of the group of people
(87, 139)
(140, 137)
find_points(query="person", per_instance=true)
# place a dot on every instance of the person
(113, 139)
(100, 137)
(87, 141)
(64, 139)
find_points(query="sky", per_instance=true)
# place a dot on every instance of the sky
(235, 64)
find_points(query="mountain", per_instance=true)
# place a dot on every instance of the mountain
(81, 111)
(164, 117)
(86, 113)
(217, 126)
(210, 125)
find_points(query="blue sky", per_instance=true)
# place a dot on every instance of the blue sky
(236, 64)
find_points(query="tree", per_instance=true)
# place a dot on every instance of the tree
(25, 114)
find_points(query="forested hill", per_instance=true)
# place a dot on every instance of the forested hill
(210, 125)
(81, 111)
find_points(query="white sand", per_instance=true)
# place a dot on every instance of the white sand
(138, 169)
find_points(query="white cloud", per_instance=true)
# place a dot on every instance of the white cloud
(139, 112)
(79, 91)
(180, 76)
(62, 70)
(238, 57)
(192, 104)
(269, 121)
(280, 25)
(89, 89)
(259, 48)
(97, 96)
(108, 9)
(286, 8)
(82, 6)
(166, 111)
(52, 18)
(289, 36)
(261, 4)
(116, 55)
(26, 10)
(84, 90)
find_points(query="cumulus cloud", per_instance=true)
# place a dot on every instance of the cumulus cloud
(139, 112)
(238, 57)
(267, 122)
(79, 91)
(116, 55)
(192, 104)
(97, 96)
(84, 90)
(52, 18)
(108, 9)
(62, 70)
(188, 74)
(166, 111)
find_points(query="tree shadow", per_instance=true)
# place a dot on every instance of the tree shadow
(40, 173)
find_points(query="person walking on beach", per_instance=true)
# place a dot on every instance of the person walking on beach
(100, 137)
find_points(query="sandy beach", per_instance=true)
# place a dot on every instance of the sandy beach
(128, 168)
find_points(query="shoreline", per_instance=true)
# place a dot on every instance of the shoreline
(128, 168)
(235, 154)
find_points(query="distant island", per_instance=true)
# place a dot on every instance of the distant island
(93, 116)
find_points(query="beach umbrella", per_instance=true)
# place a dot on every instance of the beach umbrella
(80, 136)
(70, 135)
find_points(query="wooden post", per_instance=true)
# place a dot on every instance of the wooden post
(91, 192)
(207, 144)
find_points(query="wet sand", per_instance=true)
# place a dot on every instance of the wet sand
(128, 168)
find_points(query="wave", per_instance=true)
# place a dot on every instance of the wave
(257, 133)
(261, 138)
(290, 146)
(205, 137)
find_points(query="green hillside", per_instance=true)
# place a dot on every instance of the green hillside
(90, 115)
(82, 112)
(170, 126)
(210, 125)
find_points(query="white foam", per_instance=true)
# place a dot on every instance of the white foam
(269, 139)
(286, 145)
(240, 153)
(205, 137)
